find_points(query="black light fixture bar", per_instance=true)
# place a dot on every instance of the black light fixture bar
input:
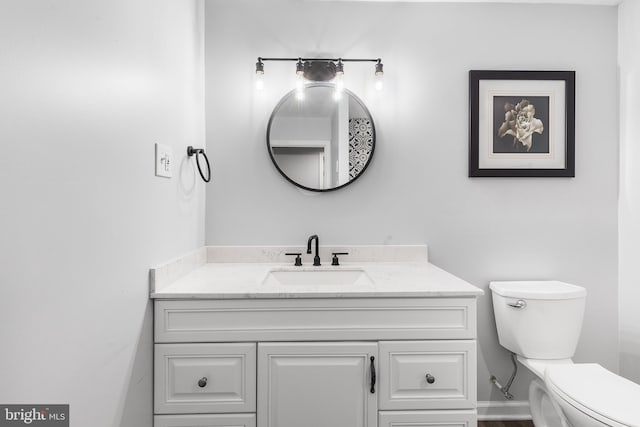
(320, 69)
(378, 60)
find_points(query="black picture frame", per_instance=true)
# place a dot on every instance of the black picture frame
(523, 145)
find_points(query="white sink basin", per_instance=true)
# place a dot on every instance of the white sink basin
(314, 278)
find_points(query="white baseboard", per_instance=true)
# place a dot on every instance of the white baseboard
(511, 410)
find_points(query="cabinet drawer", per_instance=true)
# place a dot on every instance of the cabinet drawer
(428, 419)
(318, 319)
(214, 420)
(201, 378)
(427, 374)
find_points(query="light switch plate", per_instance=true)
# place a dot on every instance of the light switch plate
(164, 160)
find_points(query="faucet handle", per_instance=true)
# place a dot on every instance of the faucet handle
(335, 260)
(298, 256)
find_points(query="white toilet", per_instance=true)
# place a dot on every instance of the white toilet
(540, 321)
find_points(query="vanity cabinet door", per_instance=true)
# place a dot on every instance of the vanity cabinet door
(427, 374)
(205, 378)
(317, 384)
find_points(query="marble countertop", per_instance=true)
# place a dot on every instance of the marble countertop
(202, 275)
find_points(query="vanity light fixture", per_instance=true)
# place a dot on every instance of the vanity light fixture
(259, 74)
(299, 80)
(322, 70)
(339, 80)
(300, 67)
(379, 75)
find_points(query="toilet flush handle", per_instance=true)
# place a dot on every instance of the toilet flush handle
(518, 304)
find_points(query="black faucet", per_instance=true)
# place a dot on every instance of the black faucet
(316, 259)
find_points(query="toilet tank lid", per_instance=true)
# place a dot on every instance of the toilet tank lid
(597, 392)
(538, 289)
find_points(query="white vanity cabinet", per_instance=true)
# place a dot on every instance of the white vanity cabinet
(293, 362)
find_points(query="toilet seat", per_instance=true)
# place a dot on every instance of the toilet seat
(597, 392)
(538, 366)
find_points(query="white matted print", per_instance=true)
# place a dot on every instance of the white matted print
(522, 123)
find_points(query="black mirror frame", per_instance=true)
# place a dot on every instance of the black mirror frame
(323, 190)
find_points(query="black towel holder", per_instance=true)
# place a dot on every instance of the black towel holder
(197, 151)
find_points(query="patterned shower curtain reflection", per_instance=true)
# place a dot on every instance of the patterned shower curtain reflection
(360, 144)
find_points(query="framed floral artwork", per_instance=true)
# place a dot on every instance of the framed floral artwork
(522, 123)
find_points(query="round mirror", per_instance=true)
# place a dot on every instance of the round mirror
(320, 141)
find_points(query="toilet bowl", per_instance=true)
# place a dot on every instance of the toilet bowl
(540, 321)
(544, 410)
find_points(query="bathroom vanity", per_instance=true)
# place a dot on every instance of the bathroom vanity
(244, 338)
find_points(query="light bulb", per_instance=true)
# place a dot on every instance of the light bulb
(379, 75)
(299, 83)
(259, 74)
(300, 87)
(339, 86)
(339, 82)
(379, 84)
(259, 81)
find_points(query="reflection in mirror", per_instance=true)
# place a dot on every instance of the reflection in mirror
(321, 142)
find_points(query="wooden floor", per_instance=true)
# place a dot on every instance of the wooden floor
(505, 424)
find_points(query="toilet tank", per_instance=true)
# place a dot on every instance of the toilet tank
(538, 319)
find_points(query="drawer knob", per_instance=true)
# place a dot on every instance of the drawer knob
(431, 379)
(202, 382)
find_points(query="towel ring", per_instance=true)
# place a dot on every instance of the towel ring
(197, 151)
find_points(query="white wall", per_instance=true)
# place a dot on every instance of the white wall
(86, 89)
(629, 227)
(416, 190)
